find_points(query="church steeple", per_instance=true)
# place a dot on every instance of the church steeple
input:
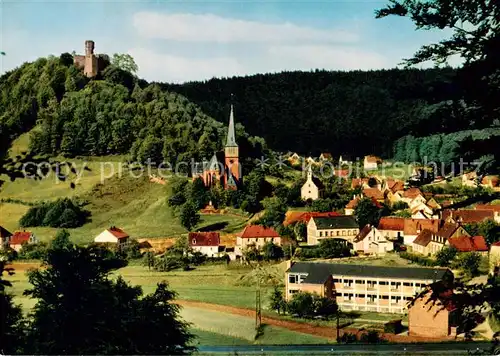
(231, 137)
(233, 174)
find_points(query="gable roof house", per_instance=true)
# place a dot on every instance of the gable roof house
(370, 163)
(292, 217)
(256, 235)
(4, 237)
(342, 227)
(113, 235)
(371, 241)
(19, 238)
(413, 227)
(312, 188)
(325, 156)
(374, 193)
(359, 182)
(392, 228)
(494, 259)
(468, 216)
(429, 243)
(205, 242)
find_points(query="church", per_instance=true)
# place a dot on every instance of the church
(222, 169)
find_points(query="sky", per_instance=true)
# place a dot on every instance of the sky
(184, 40)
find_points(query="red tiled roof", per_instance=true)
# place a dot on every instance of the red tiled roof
(4, 232)
(391, 223)
(494, 180)
(294, 216)
(118, 233)
(372, 159)
(467, 216)
(412, 193)
(488, 207)
(204, 238)
(374, 193)
(19, 237)
(423, 238)
(412, 226)
(447, 230)
(496, 243)
(358, 182)
(469, 244)
(397, 186)
(352, 203)
(327, 155)
(257, 231)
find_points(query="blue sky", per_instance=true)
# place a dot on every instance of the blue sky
(186, 40)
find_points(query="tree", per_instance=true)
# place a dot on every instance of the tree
(74, 292)
(469, 263)
(277, 300)
(301, 304)
(322, 205)
(325, 307)
(61, 240)
(300, 230)
(333, 248)
(366, 212)
(149, 259)
(489, 229)
(475, 38)
(125, 62)
(274, 213)
(11, 328)
(189, 217)
(197, 193)
(271, 251)
(446, 255)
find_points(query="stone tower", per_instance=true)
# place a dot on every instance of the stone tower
(231, 154)
(91, 66)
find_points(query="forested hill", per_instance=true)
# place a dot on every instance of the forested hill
(354, 112)
(114, 113)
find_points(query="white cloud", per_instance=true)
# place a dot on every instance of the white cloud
(212, 28)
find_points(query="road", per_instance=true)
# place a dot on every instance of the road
(458, 348)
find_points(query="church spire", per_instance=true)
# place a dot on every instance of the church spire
(231, 137)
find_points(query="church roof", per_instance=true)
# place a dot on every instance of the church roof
(231, 137)
(214, 163)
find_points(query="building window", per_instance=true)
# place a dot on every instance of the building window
(194, 241)
(384, 297)
(292, 278)
(292, 291)
(407, 284)
(360, 281)
(343, 233)
(395, 285)
(371, 284)
(347, 283)
(361, 295)
(321, 234)
(338, 233)
(383, 283)
(336, 280)
(372, 298)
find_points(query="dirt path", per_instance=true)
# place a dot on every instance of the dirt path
(321, 331)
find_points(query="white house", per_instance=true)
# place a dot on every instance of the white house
(207, 243)
(19, 238)
(370, 163)
(342, 227)
(112, 235)
(256, 235)
(371, 241)
(312, 187)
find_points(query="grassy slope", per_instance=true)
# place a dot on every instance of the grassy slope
(134, 204)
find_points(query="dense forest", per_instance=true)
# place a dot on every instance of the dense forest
(115, 114)
(355, 112)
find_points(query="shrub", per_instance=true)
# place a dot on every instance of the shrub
(36, 251)
(348, 338)
(418, 259)
(393, 327)
(63, 213)
(371, 337)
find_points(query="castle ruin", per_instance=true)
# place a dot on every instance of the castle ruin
(90, 63)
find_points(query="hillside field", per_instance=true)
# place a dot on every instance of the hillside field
(115, 195)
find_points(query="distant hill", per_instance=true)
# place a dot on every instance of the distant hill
(355, 112)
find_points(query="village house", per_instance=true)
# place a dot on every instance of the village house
(344, 161)
(370, 241)
(113, 235)
(256, 235)
(19, 238)
(494, 208)
(469, 216)
(413, 227)
(312, 188)
(360, 182)
(310, 161)
(4, 237)
(392, 228)
(433, 317)
(375, 194)
(294, 159)
(362, 287)
(342, 227)
(429, 243)
(207, 243)
(371, 163)
(471, 179)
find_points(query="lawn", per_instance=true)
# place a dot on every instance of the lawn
(209, 338)
(134, 204)
(224, 324)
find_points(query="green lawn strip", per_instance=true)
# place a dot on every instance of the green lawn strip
(209, 338)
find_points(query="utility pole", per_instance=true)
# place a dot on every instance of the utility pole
(338, 325)
(258, 314)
